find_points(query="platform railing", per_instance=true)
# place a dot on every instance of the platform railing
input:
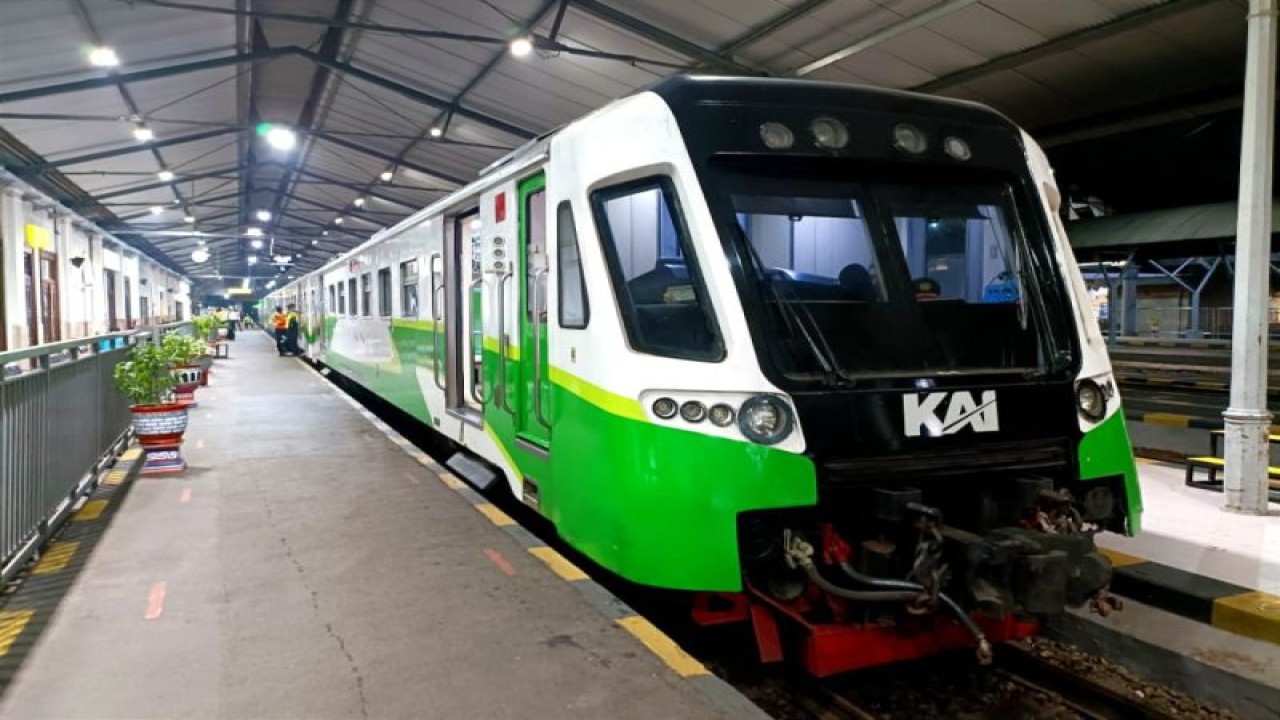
(62, 423)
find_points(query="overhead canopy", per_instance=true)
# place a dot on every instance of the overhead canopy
(1192, 229)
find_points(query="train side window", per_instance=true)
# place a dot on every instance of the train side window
(342, 298)
(654, 270)
(333, 299)
(409, 289)
(366, 295)
(384, 292)
(352, 298)
(574, 309)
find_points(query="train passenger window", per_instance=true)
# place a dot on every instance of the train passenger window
(384, 292)
(409, 289)
(342, 298)
(366, 295)
(655, 272)
(351, 293)
(333, 299)
(574, 309)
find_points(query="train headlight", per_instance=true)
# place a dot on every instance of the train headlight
(958, 149)
(776, 136)
(693, 411)
(1090, 400)
(910, 139)
(765, 419)
(665, 408)
(721, 415)
(829, 133)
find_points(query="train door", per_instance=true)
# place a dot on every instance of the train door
(532, 408)
(465, 337)
(50, 315)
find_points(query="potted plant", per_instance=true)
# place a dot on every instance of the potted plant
(205, 331)
(145, 378)
(184, 351)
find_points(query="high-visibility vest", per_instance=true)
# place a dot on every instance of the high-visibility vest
(279, 321)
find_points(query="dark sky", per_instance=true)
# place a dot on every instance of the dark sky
(1184, 163)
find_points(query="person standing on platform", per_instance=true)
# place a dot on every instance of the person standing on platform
(280, 328)
(293, 325)
(233, 323)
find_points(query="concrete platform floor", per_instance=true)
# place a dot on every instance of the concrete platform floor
(307, 567)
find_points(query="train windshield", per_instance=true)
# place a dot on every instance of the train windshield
(890, 276)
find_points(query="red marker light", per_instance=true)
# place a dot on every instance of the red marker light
(500, 207)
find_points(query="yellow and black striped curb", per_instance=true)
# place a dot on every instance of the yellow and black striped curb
(717, 691)
(25, 613)
(1241, 610)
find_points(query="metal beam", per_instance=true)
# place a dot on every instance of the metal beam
(390, 159)
(766, 28)
(1121, 23)
(904, 25)
(666, 39)
(156, 185)
(362, 189)
(127, 150)
(110, 79)
(362, 215)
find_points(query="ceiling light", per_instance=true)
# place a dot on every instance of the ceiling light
(156, 209)
(254, 232)
(253, 259)
(521, 47)
(386, 176)
(199, 255)
(256, 244)
(164, 175)
(281, 137)
(324, 232)
(263, 215)
(142, 133)
(103, 57)
(188, 218)
(359, 202)
(338, 220)
(271, 283)
(436, 131)
(315, 242)
(282, 259)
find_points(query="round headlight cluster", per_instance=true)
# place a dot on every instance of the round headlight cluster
(693, 411)
(1090, 400)
(665, 408)
(776, 136)
(829, 133)
(910, 139)
(721, 415)
(957, 148)
(765, 419)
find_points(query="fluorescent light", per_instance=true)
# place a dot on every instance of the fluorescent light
(271, 283)
(436, 131)
(199, 255)
(142, 133)
(324, 232)
(282, 259)
(386, 176)
(338, 220)
(188, 218)
(282, 138)
(103, 56)
(164, 175)
(256, 244)
(253, 259)
(156, 209)
(359, 202)
(263, 215)
(521, 47)
(254, 232)
(315, 242)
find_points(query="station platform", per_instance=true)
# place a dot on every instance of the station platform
(311, 564)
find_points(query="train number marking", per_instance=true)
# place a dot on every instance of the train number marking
(920, 413)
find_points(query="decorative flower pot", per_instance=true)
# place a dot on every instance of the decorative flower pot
(159, 429)
(186, 378)
(205, 362)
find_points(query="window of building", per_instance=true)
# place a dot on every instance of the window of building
(654, 271)
(409, 289)
(384, 292)
(573, 291)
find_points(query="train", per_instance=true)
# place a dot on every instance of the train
(817, 355)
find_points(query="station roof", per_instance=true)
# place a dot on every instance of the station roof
(364, 83)
(1196, 229)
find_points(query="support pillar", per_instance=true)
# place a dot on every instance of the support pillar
(1247, 419)
(1129, 295)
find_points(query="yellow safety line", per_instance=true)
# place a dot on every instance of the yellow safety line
(558, 564)
(452, 482)
(131, 454)
(496, 516)
(1252, 614)
(92, 510)
(12, 623)
(1120, 559)
(1166, 419)
(57, 557)
(115, 477)
(662, 646)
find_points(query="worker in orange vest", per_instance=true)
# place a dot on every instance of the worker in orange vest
(280, 327)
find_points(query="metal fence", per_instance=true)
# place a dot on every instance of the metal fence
(61, 423)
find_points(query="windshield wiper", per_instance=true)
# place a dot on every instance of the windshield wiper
(803, 321)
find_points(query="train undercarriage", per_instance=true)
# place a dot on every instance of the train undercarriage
(881, 575)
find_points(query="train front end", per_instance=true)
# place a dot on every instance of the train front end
(911, 298)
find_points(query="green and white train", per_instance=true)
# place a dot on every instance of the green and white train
(818, 353)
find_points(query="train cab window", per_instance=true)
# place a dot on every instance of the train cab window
(366, 295)
(574, 309)
(654, 271)
(409, 289)
(384, 292)
(351, 294)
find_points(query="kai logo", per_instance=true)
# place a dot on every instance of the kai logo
(959, 410)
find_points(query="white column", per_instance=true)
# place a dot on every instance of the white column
(1247, 419)
(15, 297)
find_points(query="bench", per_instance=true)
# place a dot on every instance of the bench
(1215, 436)
(1213, 465)
(222, 349)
